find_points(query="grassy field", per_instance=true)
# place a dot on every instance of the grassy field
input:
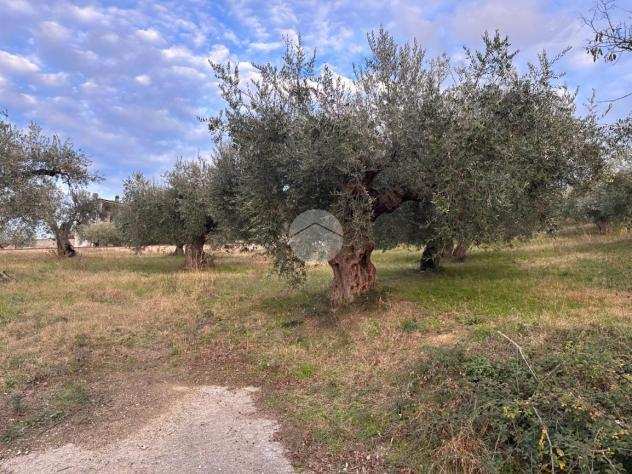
(518, 359)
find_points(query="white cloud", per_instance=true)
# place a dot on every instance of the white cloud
(52, 30)
(143, 79)
(54, 79)
(87, 14)
(219, 53)
(265, 47)
(150, 35)
(16, 63)
(18, 6)
(28, 99)
(188, 72)
(247, 73)
(581, 59)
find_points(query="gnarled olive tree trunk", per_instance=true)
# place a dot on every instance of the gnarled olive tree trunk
(354, 273)
(430, 257)
(460, 251)
(603, 226)
(194, 256)
(62, 239)
(179, 250)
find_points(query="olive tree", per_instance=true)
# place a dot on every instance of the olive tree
(42, 183)
(303, 140)
(175, 211)
(608, 203)
(402, 133)
(100, 234)
(514, 145)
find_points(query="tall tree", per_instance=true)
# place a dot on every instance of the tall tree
(304, 140)
(42, 182)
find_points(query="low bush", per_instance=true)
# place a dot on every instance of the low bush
(478, 408)
(101, 234)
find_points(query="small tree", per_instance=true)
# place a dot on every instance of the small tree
(100, 234)
(175, 212)
(609, 202)
(42, 181)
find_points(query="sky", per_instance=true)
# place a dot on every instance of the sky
(127, 80)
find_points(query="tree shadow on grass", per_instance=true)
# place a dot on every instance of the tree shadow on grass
(152, 264)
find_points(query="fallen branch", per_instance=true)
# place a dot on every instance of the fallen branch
(521, 354)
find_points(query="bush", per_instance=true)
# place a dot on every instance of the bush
(610, 202)
(479, 408)
(101, 234)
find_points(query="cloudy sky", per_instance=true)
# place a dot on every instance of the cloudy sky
(125, 80)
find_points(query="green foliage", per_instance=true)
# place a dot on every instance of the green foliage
(482, 157)
(16, 233)
(482, 398)
(178, 210)
(42, 181)
(100, 234)
(609, 201)
(143, 217)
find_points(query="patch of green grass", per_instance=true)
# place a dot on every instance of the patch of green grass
(70, 395)
(304, 371)
(478, 399)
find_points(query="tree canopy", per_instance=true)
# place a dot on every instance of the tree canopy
(42, 184)
(474, 145)
(177, 211)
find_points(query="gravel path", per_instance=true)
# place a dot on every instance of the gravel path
(210, 429)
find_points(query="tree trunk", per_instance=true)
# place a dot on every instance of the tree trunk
(179, 251)
(194, 256)
(448, 249)
(354, 273)
(64, 247)
(603, 226)
(430, 257)
(460, 251)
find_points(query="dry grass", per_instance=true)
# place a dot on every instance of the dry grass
(72, 332)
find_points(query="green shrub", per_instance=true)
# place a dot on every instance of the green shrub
(101, 234)
(478, 408)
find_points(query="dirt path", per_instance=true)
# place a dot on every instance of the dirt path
(209, 429)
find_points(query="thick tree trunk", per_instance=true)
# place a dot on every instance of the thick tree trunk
(430, 257)
(354, 273)
(64, 247)
(603, 226)
(179, 251)
(460, 251)
(194, 256)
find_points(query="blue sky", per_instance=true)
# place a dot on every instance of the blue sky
(125, 80)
